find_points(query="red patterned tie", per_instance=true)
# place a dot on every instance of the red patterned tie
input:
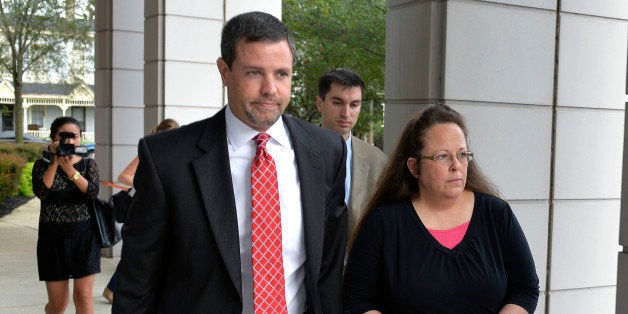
(268, 275)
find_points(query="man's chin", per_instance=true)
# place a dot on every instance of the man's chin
(262, 121)
(343, 130)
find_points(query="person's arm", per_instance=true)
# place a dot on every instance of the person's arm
(89, 183)
(40, 168)
(513, 309)
(361, 279)
(48, 176)
(522, 292)
(335, 238)
(126, 176)
(65, 163)
(145, 234)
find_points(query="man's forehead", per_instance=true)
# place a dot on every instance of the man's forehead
(243, 45)
(335, 87)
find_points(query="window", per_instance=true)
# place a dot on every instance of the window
(37, 115)
(78, 113)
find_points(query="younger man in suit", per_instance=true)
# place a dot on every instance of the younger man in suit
(197, 230)
(339, 100)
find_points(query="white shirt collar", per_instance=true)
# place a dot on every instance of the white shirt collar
(348, 140)
(238, 133)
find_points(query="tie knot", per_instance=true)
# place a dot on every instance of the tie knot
(261, 139)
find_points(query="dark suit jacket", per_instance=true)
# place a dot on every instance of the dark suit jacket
(181, 252)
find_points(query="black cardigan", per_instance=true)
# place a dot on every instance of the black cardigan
(396, 266)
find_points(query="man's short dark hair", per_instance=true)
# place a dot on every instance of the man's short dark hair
(340, 76)
(252, 27)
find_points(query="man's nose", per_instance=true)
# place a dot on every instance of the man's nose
(269, 86)
(344, 110)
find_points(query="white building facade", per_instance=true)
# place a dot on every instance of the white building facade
(44, 102)
(541, 82)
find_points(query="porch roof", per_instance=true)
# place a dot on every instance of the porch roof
(50, 89)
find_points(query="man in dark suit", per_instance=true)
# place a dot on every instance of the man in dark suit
(187, 238)
(339, 101)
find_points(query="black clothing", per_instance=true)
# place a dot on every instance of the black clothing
(396, 265)
(181, 251)
(67, 246)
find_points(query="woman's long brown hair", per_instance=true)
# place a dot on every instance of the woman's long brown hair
(397, 184)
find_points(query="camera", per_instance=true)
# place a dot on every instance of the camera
(67, 149)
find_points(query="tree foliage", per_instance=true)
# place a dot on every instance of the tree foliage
(338, 33)
(38, 36)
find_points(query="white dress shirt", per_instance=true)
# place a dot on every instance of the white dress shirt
(349, 169)
(241, 152)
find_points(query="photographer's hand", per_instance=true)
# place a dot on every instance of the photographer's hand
(66, 162)
(49, 175)
(67, 165)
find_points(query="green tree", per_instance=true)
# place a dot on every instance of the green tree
(38, 36)
(338, 33)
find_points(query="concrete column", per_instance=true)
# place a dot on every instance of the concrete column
(542, 86)
(182, 44)
(118, 82)
(622, 261)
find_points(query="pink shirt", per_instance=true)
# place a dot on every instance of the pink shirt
(451, 237)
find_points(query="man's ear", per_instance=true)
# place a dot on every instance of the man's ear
(223, 68)
(319, 103)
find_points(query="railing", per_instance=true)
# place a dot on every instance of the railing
(87, 136)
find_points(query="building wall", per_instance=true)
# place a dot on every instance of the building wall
(119, 103)
(543, 87)
(182, 40)
(622, 271)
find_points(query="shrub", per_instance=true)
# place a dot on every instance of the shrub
(11, 167)
(26, 180)
(30, 151)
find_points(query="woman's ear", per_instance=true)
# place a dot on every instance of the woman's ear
(413, 166)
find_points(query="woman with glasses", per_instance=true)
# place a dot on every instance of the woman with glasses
(436, 237)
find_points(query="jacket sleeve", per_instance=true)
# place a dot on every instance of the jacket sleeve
(335, 241)
(523, 283)
(144, 234)
(361, 281)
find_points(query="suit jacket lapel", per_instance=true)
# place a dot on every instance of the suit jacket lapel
(359, 171)
(309, 166)
(213, 175)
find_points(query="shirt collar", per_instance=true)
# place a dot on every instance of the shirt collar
(238, 133)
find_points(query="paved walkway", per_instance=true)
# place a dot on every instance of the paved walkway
(20, 288)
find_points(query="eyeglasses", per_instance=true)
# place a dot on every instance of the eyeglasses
(463, 157)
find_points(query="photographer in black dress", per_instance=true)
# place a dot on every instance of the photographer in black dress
(67, 246)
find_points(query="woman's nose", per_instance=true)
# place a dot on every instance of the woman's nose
(455, 163)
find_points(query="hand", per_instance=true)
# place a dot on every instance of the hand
(52, 148)
(512, 309)
(66, 164)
